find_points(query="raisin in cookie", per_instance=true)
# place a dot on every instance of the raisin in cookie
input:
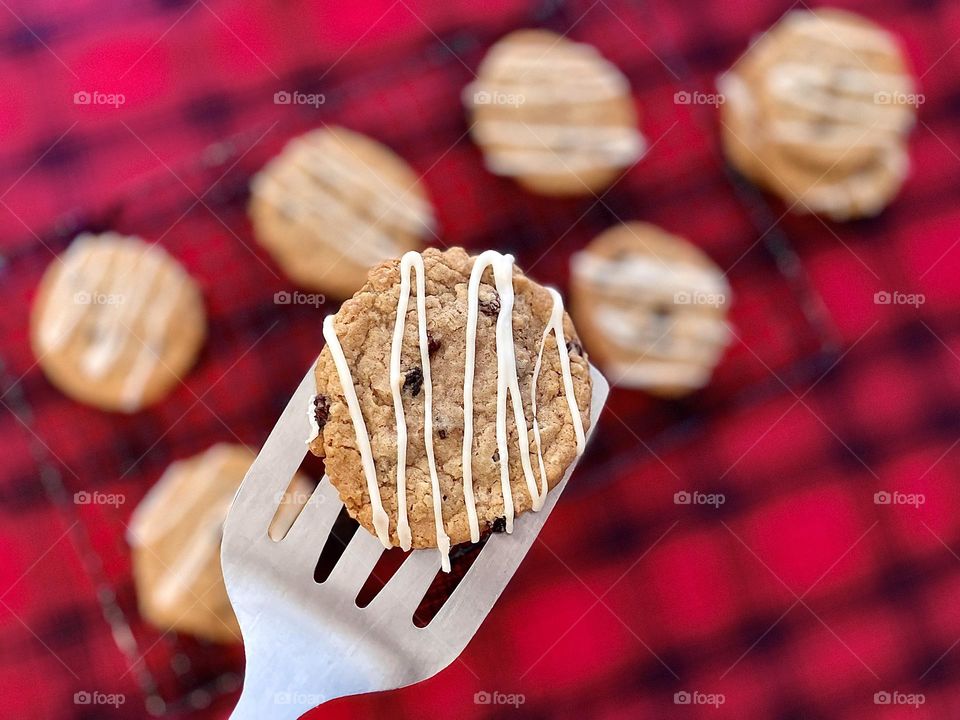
(116, 322)
(554, 114)
(175, 538)
(651, 308)
(818, 110)
(461, 415)
(333, 204)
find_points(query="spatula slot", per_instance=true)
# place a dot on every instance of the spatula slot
(386, 567)
(340, 535)
(462, 558)
(290, 503)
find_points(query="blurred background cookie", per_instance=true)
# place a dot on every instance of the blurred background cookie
(651, 309)
(818, 110)
(175, 537)
(333, 204)
(553, 114)
(116, 322)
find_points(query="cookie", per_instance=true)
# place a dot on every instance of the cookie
(818, 111)
(460, 416)
(175, 537)
(651, 308)
(116, 322)
(333, 204)
(553, 114)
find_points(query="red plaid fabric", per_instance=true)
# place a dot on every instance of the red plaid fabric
(803, 594)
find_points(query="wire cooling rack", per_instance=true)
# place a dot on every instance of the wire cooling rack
(408, 97)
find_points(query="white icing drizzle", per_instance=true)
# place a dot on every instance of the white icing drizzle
(683, 336)
(860, 190)
(839, 139)
(507, 384)
(507, 381)
(541, 91)
(640, 273)
(62, 314)
(555, 326)
(544, 160)
(135, 384)
(833, 32)
(137, 275)
(809, 87)
(381, 522)
(651, 373)
(415, 261)
(201, 548)
(606, 144)
(518, 147)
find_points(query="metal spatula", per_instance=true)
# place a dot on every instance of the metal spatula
(307, 643)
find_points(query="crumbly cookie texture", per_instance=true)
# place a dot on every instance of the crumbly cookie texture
(651, 308)
(818, 110)
(174, 535)
(334, 203)
(553, 114)
(365, 326)
(117, 322)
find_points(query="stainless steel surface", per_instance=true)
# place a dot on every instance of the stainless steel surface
(307, 643)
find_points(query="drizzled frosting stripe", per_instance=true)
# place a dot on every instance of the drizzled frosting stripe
(415, 261)
(639, 273)
(502, 266)
(573, 91)
(555, 326)
(380, 521)
(146, 360)
(843, 34)
(611, 138)
(507, 384)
